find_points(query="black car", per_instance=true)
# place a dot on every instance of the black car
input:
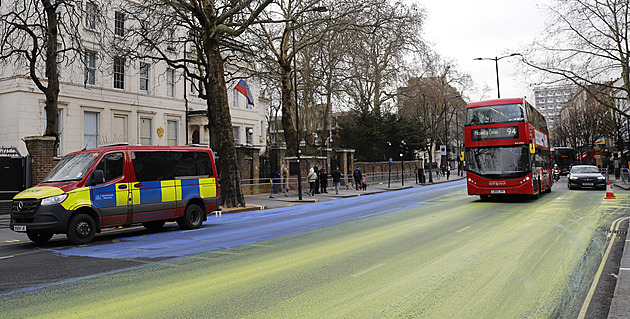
(585, 176)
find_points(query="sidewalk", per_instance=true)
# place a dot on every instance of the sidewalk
(263, 201)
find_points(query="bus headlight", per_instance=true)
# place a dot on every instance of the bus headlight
(54, 199)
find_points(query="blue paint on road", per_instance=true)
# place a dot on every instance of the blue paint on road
(233, 230)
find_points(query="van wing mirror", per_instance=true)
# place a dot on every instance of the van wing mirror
(97, 178)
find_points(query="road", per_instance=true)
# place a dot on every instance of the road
(426, 252)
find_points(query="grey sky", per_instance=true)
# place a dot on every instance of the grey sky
(463, 30)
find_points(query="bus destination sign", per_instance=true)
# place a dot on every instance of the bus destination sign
(494, 133)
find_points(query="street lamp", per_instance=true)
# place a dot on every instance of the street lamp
(297, 118)
(496, 62)
(446, 104)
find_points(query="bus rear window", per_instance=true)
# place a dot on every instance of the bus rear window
(495, 114)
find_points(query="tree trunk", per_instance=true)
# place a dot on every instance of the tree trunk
(220, 119)
(52, 90)
(288, 109)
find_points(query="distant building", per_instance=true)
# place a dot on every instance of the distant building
(550, 100)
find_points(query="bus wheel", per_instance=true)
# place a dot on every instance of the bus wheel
(39, 238)
(155, 225)
(81, 229)
(192, 218)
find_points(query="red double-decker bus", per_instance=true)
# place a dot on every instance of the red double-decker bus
(507, 149)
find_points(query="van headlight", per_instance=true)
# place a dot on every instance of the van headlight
(54, 199)
(601, 177)
(573, 177)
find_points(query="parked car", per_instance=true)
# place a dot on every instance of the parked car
(585, 176)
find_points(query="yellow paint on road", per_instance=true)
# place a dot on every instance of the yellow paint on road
(524, 259)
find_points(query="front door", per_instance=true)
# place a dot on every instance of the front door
(111, 197)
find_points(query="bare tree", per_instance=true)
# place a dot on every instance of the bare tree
(586, 43)
(288, 28)
(35, 36)
(201, 29)
(435, 99)
(389, 32)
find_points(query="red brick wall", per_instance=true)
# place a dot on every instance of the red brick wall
(41, 149)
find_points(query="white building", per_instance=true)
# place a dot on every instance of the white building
(549, 100)
(120, 100)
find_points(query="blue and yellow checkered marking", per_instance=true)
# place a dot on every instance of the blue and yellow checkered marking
(153, 192)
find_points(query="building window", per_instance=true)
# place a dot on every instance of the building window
(90, 68)
(170, 43)
(170, 83)
(59, 59)
(145, 131)
(236, 97)
(144, 76)
(236, 133)
(91, 15)
(119, 73)
(171, 132)
(90, 129)
(119, 23)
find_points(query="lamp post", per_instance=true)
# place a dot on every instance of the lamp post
(446, 104)
(297, 118)
(496, 62)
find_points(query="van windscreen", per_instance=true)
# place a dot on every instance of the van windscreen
(71, 168)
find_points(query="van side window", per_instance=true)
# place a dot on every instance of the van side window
(191, 164)
(152, 166)
(112, 166)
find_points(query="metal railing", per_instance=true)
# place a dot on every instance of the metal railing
(264, 185)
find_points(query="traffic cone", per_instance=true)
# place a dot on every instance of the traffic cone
(609, 191)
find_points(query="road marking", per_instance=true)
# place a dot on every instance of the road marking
(6, 257)
(461, 230)
(589, 295)
(367, 270)
(624, 268)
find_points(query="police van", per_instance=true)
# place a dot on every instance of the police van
(119, 185)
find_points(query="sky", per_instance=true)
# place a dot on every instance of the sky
(463, 30)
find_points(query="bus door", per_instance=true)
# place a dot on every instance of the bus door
(111, 195)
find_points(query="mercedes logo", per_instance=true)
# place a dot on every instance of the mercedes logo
(20, 206)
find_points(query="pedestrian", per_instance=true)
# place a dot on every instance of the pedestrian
(275, 183)
(316, 179)
(323, 180)
(311, 177)
(336, 178)
(448, 171)
(437, 172)
(285, 180)
(357, 177)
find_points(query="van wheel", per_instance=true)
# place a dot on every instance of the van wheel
(39, 238)
(81, 229)
(192, 218)
(155, 225)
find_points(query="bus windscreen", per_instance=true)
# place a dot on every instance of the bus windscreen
(495, 114)
(498, 162)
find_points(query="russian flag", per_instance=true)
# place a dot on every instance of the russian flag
(242, 87)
